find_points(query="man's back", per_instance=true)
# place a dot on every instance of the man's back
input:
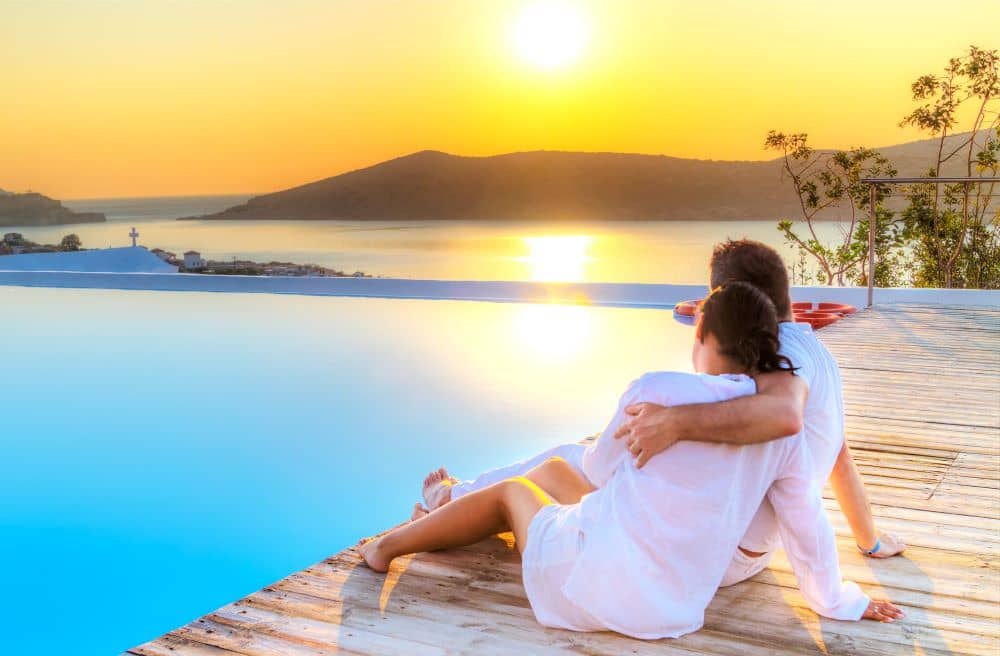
(822, 430)
(823, 418)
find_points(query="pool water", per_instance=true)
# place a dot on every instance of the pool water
(164, 454)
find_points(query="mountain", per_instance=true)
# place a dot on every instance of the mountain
(916, 157)
(32, 209)
(551, 185)
(534, 185)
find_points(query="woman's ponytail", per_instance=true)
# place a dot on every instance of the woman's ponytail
(743, 320)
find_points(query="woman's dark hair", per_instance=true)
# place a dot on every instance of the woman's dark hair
(743, 320)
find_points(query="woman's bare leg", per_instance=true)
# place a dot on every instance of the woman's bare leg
(572, 453)
(561, 480)
(506, 506)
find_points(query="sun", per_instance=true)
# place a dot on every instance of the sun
(551, 34)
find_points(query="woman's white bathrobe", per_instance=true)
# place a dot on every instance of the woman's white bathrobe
(645, 553)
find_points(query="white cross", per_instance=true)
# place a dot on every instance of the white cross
(134, 235)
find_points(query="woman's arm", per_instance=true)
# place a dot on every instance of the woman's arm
(603, 456)
(850, 492)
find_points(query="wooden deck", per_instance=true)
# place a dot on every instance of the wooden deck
(922, 388)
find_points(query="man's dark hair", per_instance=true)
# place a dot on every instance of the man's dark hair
(750, 261)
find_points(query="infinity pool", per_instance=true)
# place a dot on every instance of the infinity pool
(166, 453)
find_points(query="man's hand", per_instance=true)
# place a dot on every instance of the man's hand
(649, 431)
(882, 611)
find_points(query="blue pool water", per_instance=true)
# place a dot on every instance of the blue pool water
(166, 453)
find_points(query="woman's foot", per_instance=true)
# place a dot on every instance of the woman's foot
(373, 556)
(418, 512)
(437, 488)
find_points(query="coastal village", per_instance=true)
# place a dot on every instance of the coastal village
(193, 262)
(15, 243)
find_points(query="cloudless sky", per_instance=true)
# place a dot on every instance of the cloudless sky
(136, 97)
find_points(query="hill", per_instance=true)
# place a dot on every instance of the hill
(551, 185)
(33, 209)
(535, 185)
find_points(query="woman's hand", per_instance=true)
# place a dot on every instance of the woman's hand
(889, 546)
(883, 611)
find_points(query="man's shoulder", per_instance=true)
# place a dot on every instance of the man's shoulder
(800, 344)
(795, 334)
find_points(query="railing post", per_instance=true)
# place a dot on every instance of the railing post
(871, 243)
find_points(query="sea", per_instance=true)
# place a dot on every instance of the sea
(602, 251)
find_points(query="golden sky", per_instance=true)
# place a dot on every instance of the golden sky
(134, 98)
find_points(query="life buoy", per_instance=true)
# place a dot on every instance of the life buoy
(817, 319)
(684, 319)
(688, 308)
(841, 309)
(817, 315)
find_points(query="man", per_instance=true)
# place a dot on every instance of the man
(810, 401)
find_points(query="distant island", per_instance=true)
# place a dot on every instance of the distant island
(550, 186)
(34, 209)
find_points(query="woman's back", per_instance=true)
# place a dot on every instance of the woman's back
(657, 541)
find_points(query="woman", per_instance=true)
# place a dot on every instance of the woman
(664, 535)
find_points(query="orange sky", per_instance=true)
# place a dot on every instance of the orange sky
(155, 98)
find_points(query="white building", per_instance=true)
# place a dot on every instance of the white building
(192, 260)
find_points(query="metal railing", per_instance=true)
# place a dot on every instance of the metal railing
(872, 189)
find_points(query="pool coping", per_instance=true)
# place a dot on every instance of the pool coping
(654, 295)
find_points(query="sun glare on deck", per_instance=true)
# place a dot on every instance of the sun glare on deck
(558, 259)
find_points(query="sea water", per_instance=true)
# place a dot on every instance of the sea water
(610, 251)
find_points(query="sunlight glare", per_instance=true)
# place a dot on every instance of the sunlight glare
(551, 34)
(554, 332)
(558, 259)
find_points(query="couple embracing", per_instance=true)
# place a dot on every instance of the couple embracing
(695, 482)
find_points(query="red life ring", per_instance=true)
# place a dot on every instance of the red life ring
(817, 319)
(839, 308)
(834, 308)
(688, 308)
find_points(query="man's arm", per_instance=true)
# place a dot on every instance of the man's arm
(850, 492)
(775, 411)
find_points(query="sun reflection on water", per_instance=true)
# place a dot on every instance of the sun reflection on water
(553, 332)
(558, 258)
